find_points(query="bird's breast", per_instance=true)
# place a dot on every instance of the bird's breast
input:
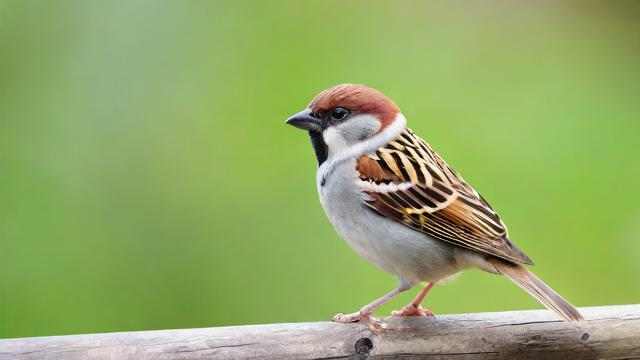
(393, 247)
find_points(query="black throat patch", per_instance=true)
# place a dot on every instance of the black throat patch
(319, 146)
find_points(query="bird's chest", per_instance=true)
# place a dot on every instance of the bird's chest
(344, 203)
(393, 247)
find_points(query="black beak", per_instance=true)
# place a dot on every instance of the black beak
(305, 120)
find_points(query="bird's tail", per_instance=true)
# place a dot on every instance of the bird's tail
(538, 289)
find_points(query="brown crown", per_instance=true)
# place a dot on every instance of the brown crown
(356, 98)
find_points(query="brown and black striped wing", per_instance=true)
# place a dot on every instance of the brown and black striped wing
(409, 182)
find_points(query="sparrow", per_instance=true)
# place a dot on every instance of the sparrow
(400, 206)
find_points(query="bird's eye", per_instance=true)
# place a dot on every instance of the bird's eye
(339, 113)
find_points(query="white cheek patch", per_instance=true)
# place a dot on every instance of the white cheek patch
(334, 140)
(359, 125)
(352, 131)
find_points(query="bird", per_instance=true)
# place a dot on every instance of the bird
(402, 207)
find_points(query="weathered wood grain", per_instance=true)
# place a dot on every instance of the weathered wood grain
(610, 332)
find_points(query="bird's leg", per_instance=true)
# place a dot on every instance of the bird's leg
(364, 315)
(413, 308)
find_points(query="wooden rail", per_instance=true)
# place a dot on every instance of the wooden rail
(610, 332)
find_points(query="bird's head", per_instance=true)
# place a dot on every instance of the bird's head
(345, 118)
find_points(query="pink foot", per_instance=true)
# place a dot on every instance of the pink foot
(374, 324)
(412, 310)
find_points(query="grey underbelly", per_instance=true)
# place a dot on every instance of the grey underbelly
(391, 246)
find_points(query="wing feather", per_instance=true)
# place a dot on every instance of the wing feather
(407, 181)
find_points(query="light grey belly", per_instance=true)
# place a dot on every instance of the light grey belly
(393, 247)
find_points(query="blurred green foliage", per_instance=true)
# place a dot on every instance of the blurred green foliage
(147, 180)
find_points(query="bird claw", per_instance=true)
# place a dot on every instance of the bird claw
(372, 322)
(412, 310)
(375, 324)
(343, 318)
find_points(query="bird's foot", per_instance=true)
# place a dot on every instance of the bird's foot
(412, 310)
(374, 323)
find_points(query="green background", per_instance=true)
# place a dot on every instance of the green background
(147, 180)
